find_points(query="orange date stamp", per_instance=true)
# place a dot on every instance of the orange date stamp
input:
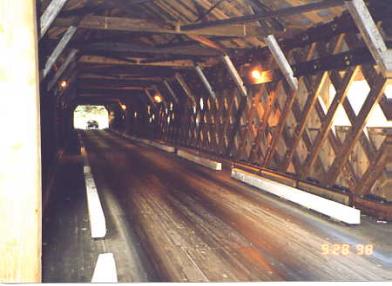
(345, 249)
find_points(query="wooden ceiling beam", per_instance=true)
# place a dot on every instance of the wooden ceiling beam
(116, 83)
(91, 100)
(135, 68)
(271, 25)
(139, 2)
(117, 92)
(119, 77)
(204, 41)
(110, 92)
(105, 88)
(147, 26)
(259, 16)
(175, 63)
(124, 48)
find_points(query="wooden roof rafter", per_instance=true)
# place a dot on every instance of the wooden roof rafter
(284, 12)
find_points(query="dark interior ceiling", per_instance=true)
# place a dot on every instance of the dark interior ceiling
(126, 45)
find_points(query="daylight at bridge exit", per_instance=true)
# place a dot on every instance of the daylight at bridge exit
(195, 141)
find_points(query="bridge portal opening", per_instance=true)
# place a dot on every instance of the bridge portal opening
(91, 117)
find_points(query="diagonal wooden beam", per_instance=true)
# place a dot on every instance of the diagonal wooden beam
(236, 126)
(268, 26)
(371, 35)
(300, 129)
(186, 88)
(58, 50)
(150, 97)
(310, 102)
(376, 168)
(235, 75)
(205, 81)
(328, 121)
(156, 88)
(282, 61)
(207, 43)
(50, 15)
(70, 58)
(341, 157)
(279, 129)
(171, 91)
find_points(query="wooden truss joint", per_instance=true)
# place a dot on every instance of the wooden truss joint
(371, 35)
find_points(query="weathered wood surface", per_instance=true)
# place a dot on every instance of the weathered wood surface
(189, 224)
(20, 146)
(61, 46)
(50, 15)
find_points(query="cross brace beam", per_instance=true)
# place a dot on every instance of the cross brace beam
(371, 35)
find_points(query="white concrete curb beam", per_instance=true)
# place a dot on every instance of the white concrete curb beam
(161, 146)
(95, 210)
(321, 205)
(105, 270)
(199, 160)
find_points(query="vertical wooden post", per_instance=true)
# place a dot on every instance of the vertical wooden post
(20, 151)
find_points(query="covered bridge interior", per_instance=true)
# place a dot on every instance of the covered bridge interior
(290, 102)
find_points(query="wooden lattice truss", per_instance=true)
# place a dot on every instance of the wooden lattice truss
(291, 132)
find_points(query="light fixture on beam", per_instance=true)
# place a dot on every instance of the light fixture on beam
(150, 98)
(63, 84)
(157, 98)
(257, 75)
(124, 107)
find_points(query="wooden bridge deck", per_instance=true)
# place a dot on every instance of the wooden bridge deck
(172, 220)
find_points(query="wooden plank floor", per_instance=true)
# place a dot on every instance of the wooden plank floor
(171, 220)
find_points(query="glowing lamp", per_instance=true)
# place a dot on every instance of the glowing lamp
(124, 107)
(64, 84)
(258, 76)
(157, 98)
